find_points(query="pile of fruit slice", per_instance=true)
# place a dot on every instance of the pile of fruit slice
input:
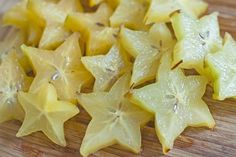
(123, 61)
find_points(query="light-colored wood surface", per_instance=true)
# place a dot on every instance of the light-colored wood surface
(192, 143)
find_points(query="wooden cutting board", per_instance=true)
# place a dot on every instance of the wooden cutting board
(220, 142)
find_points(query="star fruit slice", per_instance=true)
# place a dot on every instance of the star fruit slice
(161, 10)
(95, 30)
(13, 80)
(196, 38)
(114, 119)
(130, 13)
(146, 48)
(13, 40)
(176, 101)
(62, 67)
(107, 68)
(43, 112)
(51, 17)
(19, 17)
(222, 67)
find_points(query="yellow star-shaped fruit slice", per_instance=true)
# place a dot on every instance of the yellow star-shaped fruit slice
(62, 67)
(196, 38)
(161, 10)
(107, 68)
(130, 13)
(43, 112)
(12, 80)
(146, 48)
(222, 67)
(176, 101)
(18, 16)
(114, 119)
(95, 30)
(13, 40)
(51, 17)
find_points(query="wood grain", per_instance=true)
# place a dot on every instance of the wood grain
(194, 142)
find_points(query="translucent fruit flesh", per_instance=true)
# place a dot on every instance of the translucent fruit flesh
(196, 38)
(112, 3)
(13, 80)
(161, 10)
(62, 67)
(19, 16)
(95, 30)
(146, 48)
(106, 68)
(43, 112)
(51, 17)
(222, 67)
(13, 40)
(130, 13)
(176, 102)
(116, 122)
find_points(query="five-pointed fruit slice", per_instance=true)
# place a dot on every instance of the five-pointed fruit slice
(196, 38)
(101, 41)
(222, 65)
(18, 16)
(147, 48)
(176, 102)
(13, 80)
(112, 3)
(130, 13)
(106, 68)
(114, 119)
(95, 30)
(43, 112)
(13, 40)
(51, 17)
(62, 67)
(161, 10)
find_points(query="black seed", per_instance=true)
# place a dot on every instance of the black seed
(204, 62)
(154, 47)
(170, 96)
(109, 70)
(30, 73)
(208, 34)
(201, 36)
(160, 43)
(100, 24)
(132, 86)
(115, 35)
(176, 65)
(176, 11)
(120, 106)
